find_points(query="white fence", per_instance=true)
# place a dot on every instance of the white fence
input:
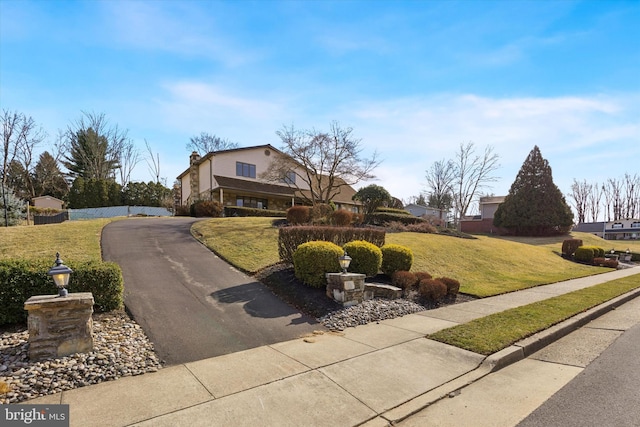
(113, 211)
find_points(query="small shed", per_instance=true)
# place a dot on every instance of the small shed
(47, 202)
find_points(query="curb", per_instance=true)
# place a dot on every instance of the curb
(501, 359)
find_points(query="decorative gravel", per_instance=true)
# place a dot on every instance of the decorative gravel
(121, 349)
(369, 311)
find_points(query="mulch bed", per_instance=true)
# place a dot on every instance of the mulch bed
(281, 280)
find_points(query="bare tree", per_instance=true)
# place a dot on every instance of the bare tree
(153, 162)
(595, 196)
(206, 143)
(617, 200)
(323, 162)
(20, 135)
(632, 195)
(472, 174)
(580, 192)
(129, 158)
(440, 180)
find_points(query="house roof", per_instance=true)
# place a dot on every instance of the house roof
(491, 199)
(48, 198)
(344, 195)
(589, 227)
(253, 186)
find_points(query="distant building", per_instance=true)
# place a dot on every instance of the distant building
(622, 229)
(483, 223)
(47, 202)
(427, 212)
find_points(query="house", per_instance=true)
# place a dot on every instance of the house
(427, 212)
(233, 178)
(47, 202)
(483, 223)
(622, 229)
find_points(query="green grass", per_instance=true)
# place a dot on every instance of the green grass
(488, 265)
(492, 333)
(75, 240)
(485, 266)
(248, 243)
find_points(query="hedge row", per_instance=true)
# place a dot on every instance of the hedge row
(289, 238)
(382, 218)
(242, 211)
(20, 280)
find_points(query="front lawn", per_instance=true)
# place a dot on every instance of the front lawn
(485, 266)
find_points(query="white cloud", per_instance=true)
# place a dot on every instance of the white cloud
(590, 137)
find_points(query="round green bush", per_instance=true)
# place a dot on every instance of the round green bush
(366, 258)
(584, 254)
(313, 260)
(395, 258)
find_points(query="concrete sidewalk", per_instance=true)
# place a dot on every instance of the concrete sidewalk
(370, 375)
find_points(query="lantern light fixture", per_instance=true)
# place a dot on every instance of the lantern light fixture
(60, 274)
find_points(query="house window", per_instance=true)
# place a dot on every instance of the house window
(635, 225)
(617, 225)
(251, 202)
(289, 178)
(245, 169)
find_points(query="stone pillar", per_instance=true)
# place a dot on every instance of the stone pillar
(346, 288)
(194, 176)
(59, 326)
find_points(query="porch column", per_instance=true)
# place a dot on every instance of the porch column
(221, 196)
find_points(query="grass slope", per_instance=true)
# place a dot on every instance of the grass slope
(485, 266)
(75, 240)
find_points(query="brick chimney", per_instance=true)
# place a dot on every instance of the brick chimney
(194, 176)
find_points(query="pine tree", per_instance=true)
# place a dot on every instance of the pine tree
(48, 179)
(534, 206)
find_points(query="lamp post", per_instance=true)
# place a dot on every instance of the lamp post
(344, 260)
(60, 274)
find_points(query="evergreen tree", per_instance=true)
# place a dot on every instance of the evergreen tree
(534, 206)
(48, 180)
(15, 209)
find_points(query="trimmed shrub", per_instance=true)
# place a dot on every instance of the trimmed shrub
(584, 254)
(382, 218)
(569, 247)
(242, 211)
(208, 208)
(342, 217)
(453, 286)
(297, 215)
(432, 290)
(313, 260)
(598, 251)
(422, 227)
(289, 238)
(20, 280)
(422, 275)
(404, 279)
(321, 213)
(611, 263)
(183, 210)
(366, 258)
(357, 218)
(396, 258)
(393, 211)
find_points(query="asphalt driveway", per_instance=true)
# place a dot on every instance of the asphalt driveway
(191, 304)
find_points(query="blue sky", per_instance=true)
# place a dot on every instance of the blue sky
(415, 79)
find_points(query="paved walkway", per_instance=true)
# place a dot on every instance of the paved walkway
(370, 375)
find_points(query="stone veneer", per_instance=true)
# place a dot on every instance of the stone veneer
(59, 326)
(347, 288)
